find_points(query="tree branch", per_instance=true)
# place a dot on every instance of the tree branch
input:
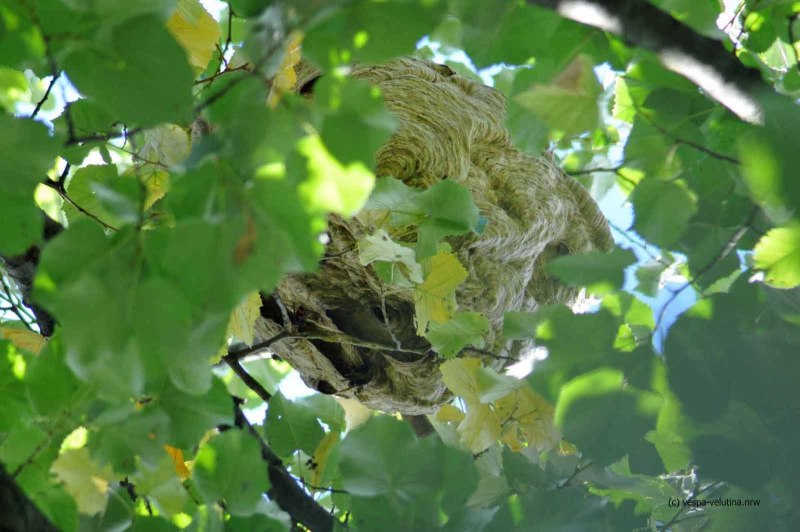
(248, 379)
(420, 424)
(46, 95)
(18, 511)
(700, 59)
(284, 489)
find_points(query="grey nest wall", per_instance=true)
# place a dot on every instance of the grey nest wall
(450, 128)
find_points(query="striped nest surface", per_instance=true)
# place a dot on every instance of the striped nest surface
(450, 127)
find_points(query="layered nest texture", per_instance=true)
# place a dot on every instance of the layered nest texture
(450, 127)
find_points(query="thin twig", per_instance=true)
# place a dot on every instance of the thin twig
(287, 321)
(489, 354)
(239, 355)
(40, 103)
(65, 196)
(615, 169)
(386, 321)
(726, 249)
(686, 142)
(14, 307)
(103, 136)
(578, 470)
(213, 77)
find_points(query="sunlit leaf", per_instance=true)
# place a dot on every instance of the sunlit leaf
(195, 30)
(435, 298)
(778, 252)
(84, 479)
(569, 104)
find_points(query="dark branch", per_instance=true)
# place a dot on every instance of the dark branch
(240, 354)
(421, 425)
(248, 379)
(46, 95)
(17, 510)
(726, 249)
(698, 58)
(578, 470)
(585, 171)
(284, 489)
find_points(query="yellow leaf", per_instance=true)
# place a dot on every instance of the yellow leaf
(195, 30)
(321, 454)
(286, 77)
(156, 185)
(449, 413)
(566, 448)
(23, 339)
(511, 438)
(354, 412)
(177, 461)
(480, 428)
(83, 479)
(434, 299)
(459, 375)
(244, 316)
(167, 144)
(529, 415)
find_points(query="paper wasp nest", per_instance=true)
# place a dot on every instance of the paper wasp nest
(450, 128)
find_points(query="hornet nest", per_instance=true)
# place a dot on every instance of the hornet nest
(450, 127)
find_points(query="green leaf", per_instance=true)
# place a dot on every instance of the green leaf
(738, 462)
(662, 210)
(575, 507)
(291, 426)
(230, 467)
(599, 272)
(90, 185)
(569, 104)
(370, 32)
(444, 209)
(464, 328)
(356, 122)
(449, 209)
(52, 387)
(778, 252)
(603, 418)
(192, 415)
(648, 276)
(120, 74)
(381, 462)
(326, 408)
(21, 42)
(129, 435)
(576, 343)
(28, 153)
